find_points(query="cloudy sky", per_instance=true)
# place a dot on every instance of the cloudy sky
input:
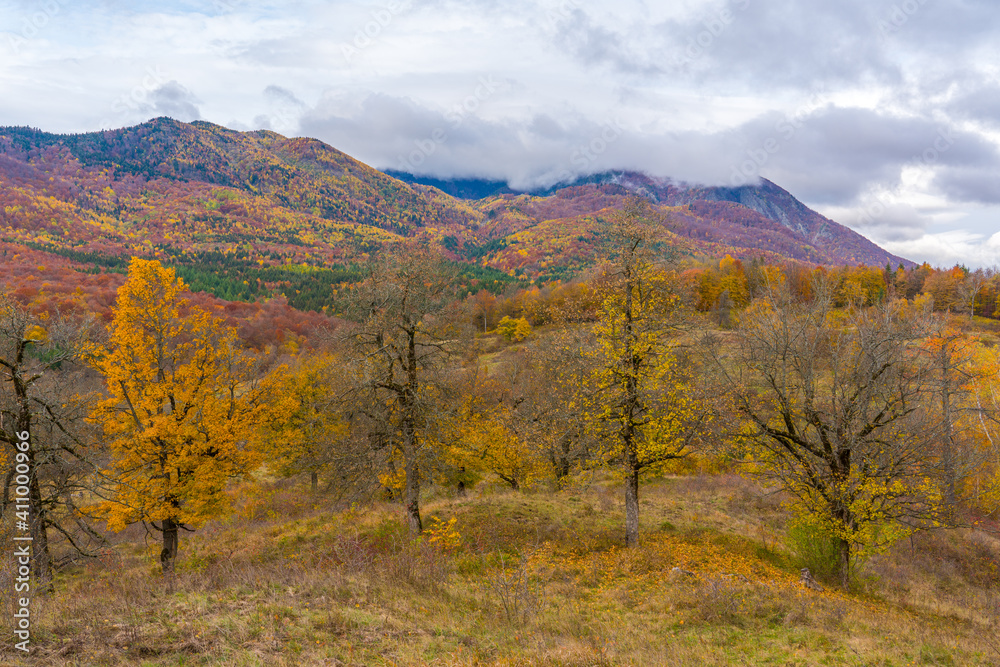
(882, 114)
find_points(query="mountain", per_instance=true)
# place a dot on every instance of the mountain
(800, 233)
(462, 188)
(251, 214)
(301, 175)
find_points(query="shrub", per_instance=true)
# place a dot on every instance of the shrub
(514, 330)
(815, 548)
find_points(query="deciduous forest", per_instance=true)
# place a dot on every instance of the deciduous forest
(659, 460)
(261, 404)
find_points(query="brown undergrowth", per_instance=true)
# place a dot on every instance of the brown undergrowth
(505, 578)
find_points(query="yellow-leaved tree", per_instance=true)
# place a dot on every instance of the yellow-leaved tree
(303, 436)
(981, 488)
(485, 434)
(183, 403)
(643, 406)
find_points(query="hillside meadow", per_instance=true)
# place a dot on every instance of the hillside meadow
(517, 578)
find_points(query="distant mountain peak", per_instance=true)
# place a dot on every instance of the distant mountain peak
(765, 198)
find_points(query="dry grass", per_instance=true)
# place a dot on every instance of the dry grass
(539, 579)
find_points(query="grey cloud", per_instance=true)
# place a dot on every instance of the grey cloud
(815, 45)
(279, 95)
(593, 44)
(887, 222)
(980, 103)
(284, 110)
(174, 100)
(547, 127)
(393, 132)
(937, 28)
(833, 154)
(829, 156)
(398, 133)
(976, 185)
(302, 50)
(782, 43)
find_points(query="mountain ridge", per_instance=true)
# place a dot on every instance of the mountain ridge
(247, 208)
(767, 199)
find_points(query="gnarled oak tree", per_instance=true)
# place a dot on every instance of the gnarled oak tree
(833, 410)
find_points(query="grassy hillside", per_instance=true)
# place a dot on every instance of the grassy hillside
(518, 579)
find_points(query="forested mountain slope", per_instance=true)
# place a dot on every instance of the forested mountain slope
(247, 215)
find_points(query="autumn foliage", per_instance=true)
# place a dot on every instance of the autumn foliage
(251, 309)
(184, 399)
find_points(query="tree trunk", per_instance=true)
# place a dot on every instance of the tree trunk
(41, 561)
(559, 457)
(410, 444)
(845, 564)
(412, 496)
(948, 454)
(632, 508)
(168, 556)
(628, 433)
(314, 481)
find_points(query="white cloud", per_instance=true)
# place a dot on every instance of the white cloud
(950, 248)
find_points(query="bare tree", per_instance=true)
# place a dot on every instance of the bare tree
(973, 284)
(409, 326)
(43, 405)
(833, 402)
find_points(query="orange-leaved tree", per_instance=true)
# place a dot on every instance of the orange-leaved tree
(183, 403)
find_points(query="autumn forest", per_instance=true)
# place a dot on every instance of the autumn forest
(282, 408)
